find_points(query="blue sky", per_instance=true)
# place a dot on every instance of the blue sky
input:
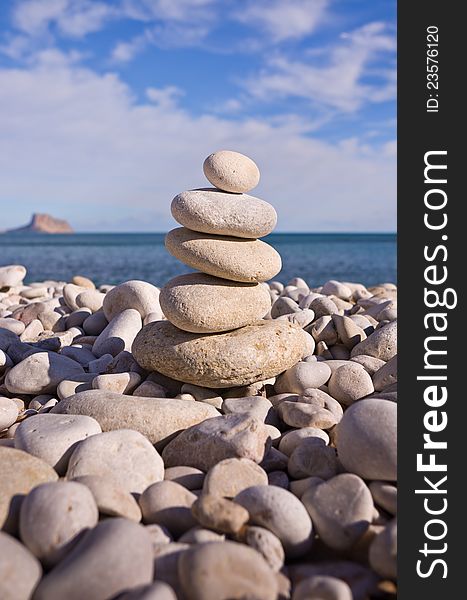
(107, 109)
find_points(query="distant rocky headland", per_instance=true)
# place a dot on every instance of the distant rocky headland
(43, 223)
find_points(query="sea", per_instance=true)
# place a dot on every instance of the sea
(111, 258)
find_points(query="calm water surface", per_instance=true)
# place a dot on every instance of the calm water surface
(114, 257)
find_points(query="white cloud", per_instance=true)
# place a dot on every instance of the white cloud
(73, 18)
(281, 20)
(339, 83)
(124, 52)
(78, 140)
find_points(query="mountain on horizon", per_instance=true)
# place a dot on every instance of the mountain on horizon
(43, 223)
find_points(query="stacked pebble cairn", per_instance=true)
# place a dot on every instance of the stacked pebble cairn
(211, 456)
(227, 299)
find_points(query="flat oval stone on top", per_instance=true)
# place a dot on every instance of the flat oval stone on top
(240, 357)
(221, 213)
(224, 256)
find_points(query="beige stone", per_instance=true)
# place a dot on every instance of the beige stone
(201, 303)
(349, 383)
(40, 373)
(341, 510)
(125, 454)
(230, 476)
(231, 171)
(380, 344)
(135, 294)
(240, 357)
(204, 445)
(367, 439)
(111, 558)
(19, 473)
(219, 514)
(156, 418)
(225, 570)
(20, 571)
(53, 438)
(220, 213)
(111, 498)
(53, 515)
(231, 258)
(168, 504)
(281, 512)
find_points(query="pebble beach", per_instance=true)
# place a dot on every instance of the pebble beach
(224, 436)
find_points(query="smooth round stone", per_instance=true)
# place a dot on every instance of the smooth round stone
(231, 476)
(267, 544)
(54, 437)
(341, 509)
(367, 439)
(83, 282)
(19, 473)
(12, 325)
(111, 558)
(291, 439)
(13, 275)
(168, 504)
(282, 513)
(156, 418)
(40, 373)
(70, 292)
(219, 514)
(303, 376)
(119, 333)
(201, 303)
(156, 591)
(231, 171)
(139, 295)
(385, 495)
(349, 383)
(204, 445)
(312, 458)
(336, 288)
(213, 211)
(189, 477)
(127, 455)
(121, 383)
(91, 299)
(20, 571)
(253, 353)
(228, 257)
(383, 552)
(225, 570)
(8, 412)
(110, 497)
(53, 515)
(380, 344)
(67, 388)
(322, 587)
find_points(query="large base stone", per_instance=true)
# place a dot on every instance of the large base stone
(240, 357)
